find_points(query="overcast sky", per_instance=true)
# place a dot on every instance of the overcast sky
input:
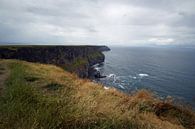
(110, 22)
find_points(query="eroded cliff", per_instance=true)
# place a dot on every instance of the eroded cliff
(77, 59)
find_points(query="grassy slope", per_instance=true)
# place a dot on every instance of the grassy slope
(45, 96)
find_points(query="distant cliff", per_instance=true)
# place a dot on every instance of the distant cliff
(77, 59)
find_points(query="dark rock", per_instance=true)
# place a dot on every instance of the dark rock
(98, 75)
(104, 48)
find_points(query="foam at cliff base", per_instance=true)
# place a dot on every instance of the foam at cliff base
(143, 75)
(121, 86)
(111, 75)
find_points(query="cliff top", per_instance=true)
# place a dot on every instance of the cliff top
(11, 47)
(36, 95)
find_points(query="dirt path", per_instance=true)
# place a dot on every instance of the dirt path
(4, 73)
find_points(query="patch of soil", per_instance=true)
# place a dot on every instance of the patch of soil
(31, 78)
(53, 86)
(4, 73)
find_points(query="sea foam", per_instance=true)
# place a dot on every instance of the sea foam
(121, 86)
(143, 75)
(112, 76)
(106, 88)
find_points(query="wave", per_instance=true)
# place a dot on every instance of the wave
(112, 76)
(121, 86)
(97, 68)
(143, 75)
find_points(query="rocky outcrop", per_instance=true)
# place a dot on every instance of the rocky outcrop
(77, 59)
(104, 48)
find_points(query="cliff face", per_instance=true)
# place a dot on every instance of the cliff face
(77, 59)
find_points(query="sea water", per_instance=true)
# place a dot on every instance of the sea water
(167, 71)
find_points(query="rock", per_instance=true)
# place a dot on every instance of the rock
(98, 75)
(104, 48)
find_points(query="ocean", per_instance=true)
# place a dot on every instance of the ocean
(166, 71)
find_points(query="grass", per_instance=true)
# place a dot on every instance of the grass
(95, 55)
(78, 62)
(37, 96)
(1, 69)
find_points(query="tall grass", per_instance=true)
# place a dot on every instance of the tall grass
(22, 106)
(44, 96)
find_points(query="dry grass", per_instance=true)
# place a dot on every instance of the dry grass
(80, 103)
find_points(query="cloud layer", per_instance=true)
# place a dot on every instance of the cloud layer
(111, 22)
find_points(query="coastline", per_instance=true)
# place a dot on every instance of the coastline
(76, 59)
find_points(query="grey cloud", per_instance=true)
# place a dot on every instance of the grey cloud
(127, 22)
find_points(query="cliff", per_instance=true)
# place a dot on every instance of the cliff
(77, 59)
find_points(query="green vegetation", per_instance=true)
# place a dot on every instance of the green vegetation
(78, 62)
(14, 48)
(95, 55)
(37, 96)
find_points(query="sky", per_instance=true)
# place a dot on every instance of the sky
(97, 22)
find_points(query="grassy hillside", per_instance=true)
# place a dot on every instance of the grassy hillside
(35, 96)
